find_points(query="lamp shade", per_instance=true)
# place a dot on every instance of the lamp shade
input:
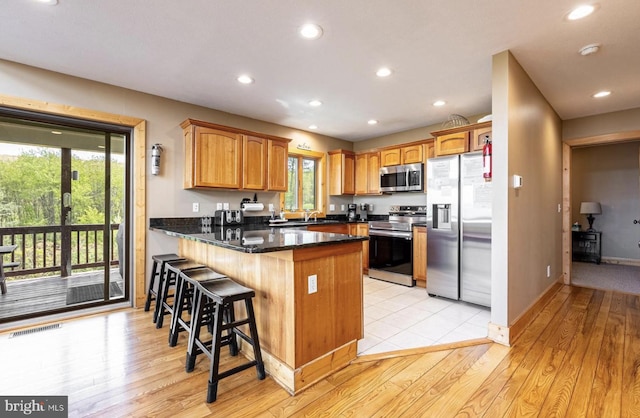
(590, 208)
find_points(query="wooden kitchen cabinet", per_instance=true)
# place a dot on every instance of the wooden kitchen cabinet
(342, 172)
(429, 150)
(461, 139)
(373, 173)
(213, 158)
(277, 165)
(401, 155)
(412, 154)
(478, 137)
(451, 144)
(254, 163)
(391, 156)
(362, 230)
(218, 156)
(420, 255)
(333, 228)
(367, 177)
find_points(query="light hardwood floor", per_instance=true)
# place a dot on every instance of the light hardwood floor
(579, 358)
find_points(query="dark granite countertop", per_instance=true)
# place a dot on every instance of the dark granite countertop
(249, 238)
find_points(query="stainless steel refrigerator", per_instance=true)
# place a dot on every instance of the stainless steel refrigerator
(459, 229)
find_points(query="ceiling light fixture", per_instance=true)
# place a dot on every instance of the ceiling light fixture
(589, 49)
(56, 132)
(581, 11)
(439, 103)
(311, 31)
(603, 93)
(372, 122)
(315, 103)
(313, 127)
(383, 72)
(49, 2)
(245, 79)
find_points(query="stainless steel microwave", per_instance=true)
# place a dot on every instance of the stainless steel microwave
(402, 178)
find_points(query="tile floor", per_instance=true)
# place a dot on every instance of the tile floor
(397, 317)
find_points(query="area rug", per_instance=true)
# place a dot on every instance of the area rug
(620, 278)
(90, 292)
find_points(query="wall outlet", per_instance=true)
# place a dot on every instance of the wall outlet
(332, 207)
(218, 206)
(313, 283)
(225, 206)
(271, 209)
(548, 271)
(342, 208)
(196, 207)
(559, 208)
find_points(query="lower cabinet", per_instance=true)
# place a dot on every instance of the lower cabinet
(420, 255)
(362, 230)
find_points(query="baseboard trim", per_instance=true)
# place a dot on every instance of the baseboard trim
(507, 335)
(621, 261)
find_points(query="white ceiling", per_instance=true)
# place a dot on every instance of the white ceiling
(193, 50)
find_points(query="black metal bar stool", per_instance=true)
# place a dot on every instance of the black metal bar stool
(157, 271)
(168, 282)
(219, 296)
(183, 300)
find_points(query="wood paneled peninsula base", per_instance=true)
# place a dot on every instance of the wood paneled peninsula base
(304, 335)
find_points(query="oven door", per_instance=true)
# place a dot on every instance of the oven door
(391, 257)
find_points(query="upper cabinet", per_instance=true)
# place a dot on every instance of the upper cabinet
(412, 154)
(461, 139)
(478, 137)
(277, 157)
(213, 158)
(390, 157)
(254, 163)
(217, 156)
(402, 155)
(342, 172)
(367, 173)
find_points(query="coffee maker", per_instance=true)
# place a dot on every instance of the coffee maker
(364, 208)
(351, 212)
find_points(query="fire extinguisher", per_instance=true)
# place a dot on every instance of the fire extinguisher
(487, 169)
(156, 150)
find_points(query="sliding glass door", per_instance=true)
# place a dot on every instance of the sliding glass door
(63, 206)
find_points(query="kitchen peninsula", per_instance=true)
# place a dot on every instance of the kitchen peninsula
(308, 286)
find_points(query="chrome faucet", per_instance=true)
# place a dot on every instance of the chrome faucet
(308, 214)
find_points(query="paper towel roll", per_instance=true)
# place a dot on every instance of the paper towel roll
(252, 207)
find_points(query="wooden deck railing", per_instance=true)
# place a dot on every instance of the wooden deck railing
(40, 248)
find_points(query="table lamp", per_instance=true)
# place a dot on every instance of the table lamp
(590, 209)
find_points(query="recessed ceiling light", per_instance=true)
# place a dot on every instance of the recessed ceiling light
(581, 11)
(589, 49)
(312, 127)
(311, 31)
(603, 93)
(56, 132)
(315, 103)
(372, 122)
(49, 2)
(245, 79)
(439, 103)
(383, 72)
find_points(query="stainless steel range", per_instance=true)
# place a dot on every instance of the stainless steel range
(390, 244)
